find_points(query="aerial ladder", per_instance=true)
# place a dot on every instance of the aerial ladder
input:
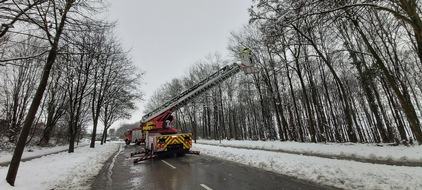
(158, 134)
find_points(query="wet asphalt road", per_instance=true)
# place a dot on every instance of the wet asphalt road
(196, 172)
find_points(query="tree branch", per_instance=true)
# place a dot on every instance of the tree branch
(395, 13)
(21, 58)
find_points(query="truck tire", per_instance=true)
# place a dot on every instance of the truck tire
(127, 141)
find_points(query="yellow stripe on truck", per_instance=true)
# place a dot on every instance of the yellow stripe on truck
(176, 139)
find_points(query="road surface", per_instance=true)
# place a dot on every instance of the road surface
(195, 172)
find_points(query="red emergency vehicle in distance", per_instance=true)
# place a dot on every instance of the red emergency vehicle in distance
(134, 135)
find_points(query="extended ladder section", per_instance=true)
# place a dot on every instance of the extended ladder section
(194, 91)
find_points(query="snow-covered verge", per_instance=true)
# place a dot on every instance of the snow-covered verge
(60, 171)
(77, 170)
(383, 152)
(35, 151)
(338, 173)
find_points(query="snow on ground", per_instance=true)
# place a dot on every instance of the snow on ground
(338, 173)
(76, 170)
(60, 171)
(36, 151)
(383, 152)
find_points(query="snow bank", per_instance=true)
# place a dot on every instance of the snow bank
(383, 152)
(338, 173)
(61, 171)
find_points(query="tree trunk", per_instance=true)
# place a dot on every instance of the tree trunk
(292, 94)
(343, 95)
(311, 126)
(36, 101)
(405, 105)
(72, 143)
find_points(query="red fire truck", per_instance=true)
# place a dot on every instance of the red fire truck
(134, 135)
(156, 127)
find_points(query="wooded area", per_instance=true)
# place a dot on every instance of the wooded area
(326, 71)
(62, 69)
(64, 57)
(341, 71)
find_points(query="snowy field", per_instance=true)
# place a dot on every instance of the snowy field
(77, 170)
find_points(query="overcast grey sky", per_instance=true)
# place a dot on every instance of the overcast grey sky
(166, 37)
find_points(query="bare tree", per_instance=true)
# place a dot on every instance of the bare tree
(15, 11)
(103, 52)
(121, 91)
(55, 104)
(19, 81)
(308, 18)
(58, 12)
(78, 69)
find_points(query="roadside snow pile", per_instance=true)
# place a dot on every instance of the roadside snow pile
(382, 152)
(332, 172)
(63, 170)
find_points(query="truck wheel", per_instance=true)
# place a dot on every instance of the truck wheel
(127, 142)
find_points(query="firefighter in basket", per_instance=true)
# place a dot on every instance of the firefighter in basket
(246, 61)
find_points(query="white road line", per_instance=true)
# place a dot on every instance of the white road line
(169, 164)
(206, 187)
